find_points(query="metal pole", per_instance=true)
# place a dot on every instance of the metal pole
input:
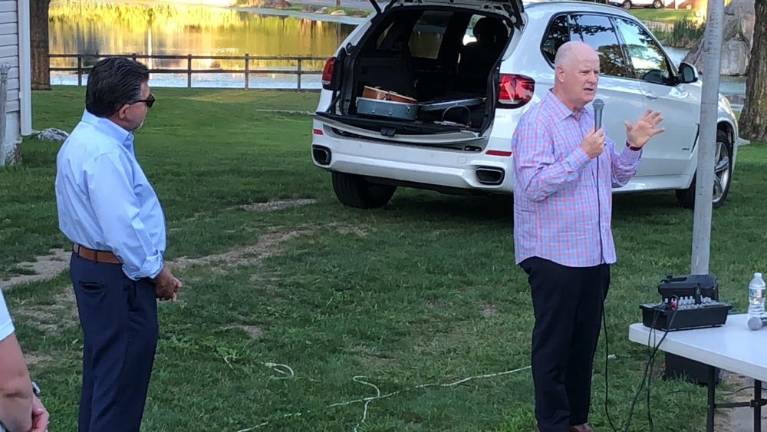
(247, 71)
(704, 176)
(711, 399)
(757, 406)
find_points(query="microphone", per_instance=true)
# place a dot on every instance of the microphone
(755, 323)
(598, 107)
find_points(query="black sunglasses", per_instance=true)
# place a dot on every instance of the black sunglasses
(148, 101)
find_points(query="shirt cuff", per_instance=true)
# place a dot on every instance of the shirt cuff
(151, 268)
(630, 156)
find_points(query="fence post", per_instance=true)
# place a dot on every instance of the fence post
(298, 73)
(79, 70)
(133, 56)
(189, 71)
(247, 71)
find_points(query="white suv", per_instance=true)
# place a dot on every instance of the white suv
(427, 94)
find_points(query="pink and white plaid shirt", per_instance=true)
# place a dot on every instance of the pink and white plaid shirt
(563, 199)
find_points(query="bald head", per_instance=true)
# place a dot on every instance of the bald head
(573, 51)
(576, 75)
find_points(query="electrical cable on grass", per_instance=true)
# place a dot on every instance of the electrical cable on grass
(367, 400)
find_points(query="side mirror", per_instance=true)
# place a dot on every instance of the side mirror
(687, 73)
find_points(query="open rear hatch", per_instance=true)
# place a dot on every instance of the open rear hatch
(513, 8)
(425, 72)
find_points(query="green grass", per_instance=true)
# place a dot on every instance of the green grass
(663, 15)
(423, 291)
(674, 28)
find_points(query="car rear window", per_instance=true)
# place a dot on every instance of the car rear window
(426, 39)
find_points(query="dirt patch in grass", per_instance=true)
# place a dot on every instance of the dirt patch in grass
(51, 318)
(489, 311)
(277, 205)
(49, 266)
(267, 245)
(33, 359)
(352, 230)
(44, 268)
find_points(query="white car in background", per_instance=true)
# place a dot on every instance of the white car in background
(412, 99)
(628, 4)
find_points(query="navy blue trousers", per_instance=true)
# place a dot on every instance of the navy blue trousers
(119, 321)
(567, 303)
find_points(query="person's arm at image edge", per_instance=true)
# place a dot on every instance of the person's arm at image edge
(15, 387)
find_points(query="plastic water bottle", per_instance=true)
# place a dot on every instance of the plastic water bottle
(756, 296)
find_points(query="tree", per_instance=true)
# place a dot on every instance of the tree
(38, 23)
(753, 119)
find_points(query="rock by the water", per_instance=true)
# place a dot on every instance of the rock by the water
(738, 38)
(52, 134)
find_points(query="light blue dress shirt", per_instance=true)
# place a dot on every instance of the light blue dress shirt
(105, 201)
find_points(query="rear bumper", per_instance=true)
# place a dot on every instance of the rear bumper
(425, 165)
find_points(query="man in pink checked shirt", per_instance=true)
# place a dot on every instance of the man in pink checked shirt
(564, 173)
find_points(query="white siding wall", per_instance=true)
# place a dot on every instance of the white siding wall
(9, 54)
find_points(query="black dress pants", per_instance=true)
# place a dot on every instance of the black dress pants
(567, 303)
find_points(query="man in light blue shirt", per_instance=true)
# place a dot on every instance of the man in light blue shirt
(110, 212)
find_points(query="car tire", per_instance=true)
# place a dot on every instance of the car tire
(626, 4)
(354, 191)
(657, 4)
(722, 174)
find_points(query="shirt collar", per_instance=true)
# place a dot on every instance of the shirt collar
(110, 128)
(560, 109)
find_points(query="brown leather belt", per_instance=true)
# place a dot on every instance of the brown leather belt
(95, 255)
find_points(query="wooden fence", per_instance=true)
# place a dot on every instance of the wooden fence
(82, 66)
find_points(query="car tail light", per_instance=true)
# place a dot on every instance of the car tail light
(327, 74)
(515, 90)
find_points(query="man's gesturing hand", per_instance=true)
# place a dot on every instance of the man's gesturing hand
(639, 133)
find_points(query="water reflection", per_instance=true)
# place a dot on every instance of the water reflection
(88, 26)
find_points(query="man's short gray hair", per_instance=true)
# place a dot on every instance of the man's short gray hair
(566, 52)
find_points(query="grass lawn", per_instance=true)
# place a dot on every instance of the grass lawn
(423, 291)
(663, 15)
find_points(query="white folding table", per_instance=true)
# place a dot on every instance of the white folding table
(731, 347)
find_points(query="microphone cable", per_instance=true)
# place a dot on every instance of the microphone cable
(648, 366)
(604, 296)
(646, 376)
